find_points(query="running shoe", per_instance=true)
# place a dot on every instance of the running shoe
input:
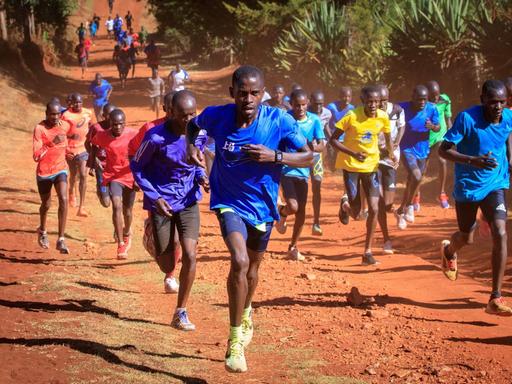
(362, 216)
(484, 229)
(171, 285)
(400, 221)
(42, 239)
(449, 266)
(61, 247)
(499, 307)
(316, 230)
(388, 248)
(127, 239)
(416, 203)
(443, 199)
(235, 358)
(409, 214)
(368, 259)
(342, 213)
(181, 321)
(247, 330)
(122, 252)
(294, 254)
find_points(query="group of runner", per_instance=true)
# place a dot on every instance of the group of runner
(254, 148)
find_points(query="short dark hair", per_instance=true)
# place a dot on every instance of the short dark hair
(492, 85)
(181, 95)
(367, 89)
(246, 71)
(420, 88)
(117, 112)
(299, 92)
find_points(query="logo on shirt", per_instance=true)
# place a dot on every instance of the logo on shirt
(367, 137)
(501, 208)
(229, 146)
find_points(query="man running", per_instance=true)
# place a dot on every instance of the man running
(177, 78)
(121, 58)
(110, 27)
(129, 20)
(171, 193)
(49, 151)
(97, 156)
(359, 159)
(80, 119)
(101, 91)
(152, 54)
(277, 98)
(118, 26)
(477, 143)
(388, 167)
(339, 109)
(421, 117)
(294, 181)
(118, 177)
(316, 106)
(444, 109)
(244, 187)
(82, 55)
(110, 6)
(156, 91)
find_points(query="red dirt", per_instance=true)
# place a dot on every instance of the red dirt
(88, 318)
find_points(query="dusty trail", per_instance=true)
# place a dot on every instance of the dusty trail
(89, 318)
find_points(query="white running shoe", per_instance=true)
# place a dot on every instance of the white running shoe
(409, 214)
(294, 254)
(235, 357)
(400, 221)
(388, 248)
(171, 285)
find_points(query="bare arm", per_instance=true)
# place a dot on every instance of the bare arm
(448, 151)
(389, 146)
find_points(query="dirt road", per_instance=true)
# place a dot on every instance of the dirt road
(88, 318)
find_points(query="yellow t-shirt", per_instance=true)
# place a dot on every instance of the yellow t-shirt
(362, 135)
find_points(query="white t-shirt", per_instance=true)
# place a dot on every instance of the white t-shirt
(396, 121)
(179, 78)
(155, 87)
(110, 25)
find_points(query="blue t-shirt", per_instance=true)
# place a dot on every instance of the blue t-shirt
(416, 134)
(237, 182)
(474, 136)
(311, 128)
(100, 92)
(337, 114)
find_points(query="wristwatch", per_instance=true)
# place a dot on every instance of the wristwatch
(279, 157)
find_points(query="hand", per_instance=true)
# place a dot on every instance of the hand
(195, 156)
(58, 139)
(429, 125)
(315, 146)
(483, 162)
(70, 156)
(360, 156)
(259, 153)
(91, 171)
(163, 208)
(205, 183)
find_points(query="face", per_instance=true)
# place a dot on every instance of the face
(384, 98)
(299, 107)
(317, 103)
(420, 98)
(371, 102)
(76, 103)
(53, 114)
(98, 79)
(117, 122)
(433, 94)
(345, 96)
(247, 95)
(278, 94)
(493, 102)
(184, 111)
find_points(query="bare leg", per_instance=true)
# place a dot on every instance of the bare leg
(46, 200)
(255, 259)
(82, 187)
(62, 192)
(188, 271)
(316, 185)
(371, 221)
(237, 279)
(499, 253)
(117, 216)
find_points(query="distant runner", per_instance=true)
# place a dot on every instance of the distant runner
(110, 27)
(177, 78)
(156, 91)
(277, 98)
(153, 55)
(101, 91)
(82, 55)
(339, 109)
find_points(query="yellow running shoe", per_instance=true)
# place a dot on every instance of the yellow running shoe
(235, 358)
(498, 307)
(449, 266)
(247, 330)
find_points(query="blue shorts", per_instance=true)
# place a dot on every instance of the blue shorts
(493, 207)
(84, 156)
(412, 163)
(255, 239)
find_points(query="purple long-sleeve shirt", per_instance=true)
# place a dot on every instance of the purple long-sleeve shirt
(160, 169)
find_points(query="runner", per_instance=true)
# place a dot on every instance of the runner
(49, 150)
(82, 56)
(444, 109)
(277, 98)
(118, 177)
(156, 91)
(80, 119)
(93, 29)
(133, 52)
(143, 36)
(421, 117)
(96, 20)
(81, 32)
(129, 20)
(110, 27)
(118, 26)
(294, 181)
(316, 106)
(171, 193)
(97, 156)
(359, 159)
(387, 167)
(101, 91)
(339, 109)
(244, 187)
(110, 6)
(121, 57)
(152, 54)
(477, 144)
(294, 87)
(170, 283)
(177, 78)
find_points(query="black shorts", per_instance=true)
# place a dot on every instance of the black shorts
(295, 188)
(120, 190)
(44, 185)
(354, 182)
(387, 177)
(255, 239)
(187, 222)
(493, 207)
